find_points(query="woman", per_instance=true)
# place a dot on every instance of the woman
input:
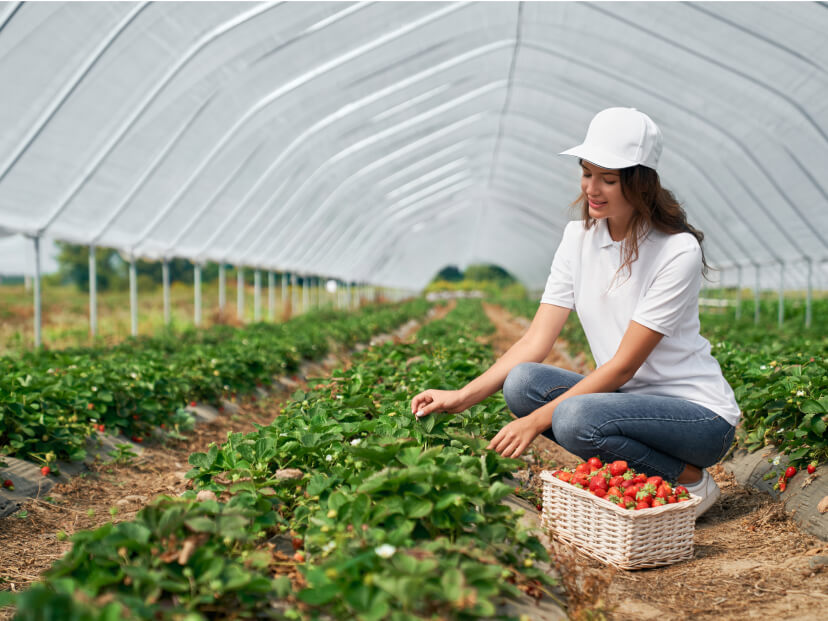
(632, 269)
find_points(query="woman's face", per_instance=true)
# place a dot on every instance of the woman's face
(602, 188)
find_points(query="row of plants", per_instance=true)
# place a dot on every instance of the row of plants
(779, 376)
(51, 401)
(345, 506)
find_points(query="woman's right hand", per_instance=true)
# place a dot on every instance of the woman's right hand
(429, 401)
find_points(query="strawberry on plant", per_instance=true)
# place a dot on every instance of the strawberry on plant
(299, 556)
(812, 467)
(192, 404)
(45, 471)
(790, 472)
(137, 439)
(9, 484)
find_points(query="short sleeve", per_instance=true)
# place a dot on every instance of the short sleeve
(674, 288)
(560, 286)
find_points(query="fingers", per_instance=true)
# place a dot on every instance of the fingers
(419, 401)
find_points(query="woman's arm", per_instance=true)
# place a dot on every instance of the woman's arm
(533, 346)
(638, 342)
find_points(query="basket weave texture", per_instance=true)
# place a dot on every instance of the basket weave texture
(619, 537)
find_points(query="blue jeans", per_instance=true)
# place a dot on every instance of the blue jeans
(653, 434)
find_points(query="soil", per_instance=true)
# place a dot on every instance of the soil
(750, 560)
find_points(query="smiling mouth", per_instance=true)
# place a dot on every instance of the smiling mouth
(597, 205)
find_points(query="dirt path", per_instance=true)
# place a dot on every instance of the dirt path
(750, 560)
(34, 538)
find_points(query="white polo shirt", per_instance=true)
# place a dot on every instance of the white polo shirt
(661, 293)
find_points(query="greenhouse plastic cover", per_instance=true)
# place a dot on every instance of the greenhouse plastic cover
(380, 142)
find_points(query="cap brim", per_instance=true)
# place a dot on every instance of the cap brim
(598, 157)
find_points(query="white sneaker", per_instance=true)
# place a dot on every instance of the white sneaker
(707, 489)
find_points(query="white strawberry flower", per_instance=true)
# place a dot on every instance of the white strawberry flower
(800, 393)
(328, 547)
(133, 375)
(355, 441)
(776, 460)
(762, 368)
(94, 389)
(329, 457)
(386, 550)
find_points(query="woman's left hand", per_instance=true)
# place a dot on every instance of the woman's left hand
(513, 439)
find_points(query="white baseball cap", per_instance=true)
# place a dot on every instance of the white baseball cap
(620, 138)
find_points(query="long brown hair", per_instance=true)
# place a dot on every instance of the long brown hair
(654, 207)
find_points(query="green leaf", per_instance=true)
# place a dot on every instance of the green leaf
(316, 596)
(452, 583)
(809, 406)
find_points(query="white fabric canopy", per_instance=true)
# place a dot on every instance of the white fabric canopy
(380, 142)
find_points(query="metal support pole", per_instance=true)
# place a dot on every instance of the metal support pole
(38, 317)
(284, 297)
(294, 296)
(197, 292)
(305, 295)
(133, 295)
(781, 293)
(809, 295)
(756, 298)
(240, 293)
(257, 295)
(222, 288)
(738, 292)
(271, 295)
(93, 293)
(165, 279)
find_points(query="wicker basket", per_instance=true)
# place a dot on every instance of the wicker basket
(619, 537)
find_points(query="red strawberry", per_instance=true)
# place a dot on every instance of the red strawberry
(681, 492)
(598, 492)
(671, 500)
(617, 468)
(566, 477)
(621, 504)
(616, 481)
(812, 467)
(640, 478)
(663, 491)
(137, 439)
(579, 478)
(614, 491)
(89, 406)
(299, 556)
(9, 484)
(583, 468)
(598, 483)
(297, 543)
(642, 505)
(657, 502)
(45, 471)
(192, 404)
(656, 481)
(790, 472)
(594, 463)
(627, 483)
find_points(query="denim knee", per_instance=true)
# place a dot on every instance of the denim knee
(516, 388)
(570, 425)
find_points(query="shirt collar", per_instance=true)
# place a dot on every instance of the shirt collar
(602, 231)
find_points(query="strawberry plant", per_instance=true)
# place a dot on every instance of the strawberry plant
(344, 506)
